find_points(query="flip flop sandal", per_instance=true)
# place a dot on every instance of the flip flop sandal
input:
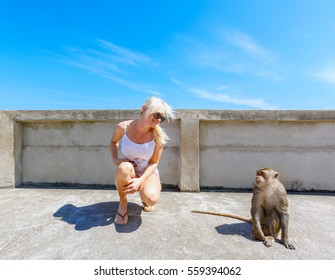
(122, 216)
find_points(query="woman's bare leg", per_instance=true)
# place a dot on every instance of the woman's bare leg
(124, 172)
(150, 192)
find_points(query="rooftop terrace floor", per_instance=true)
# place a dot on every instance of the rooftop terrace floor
(77, 224)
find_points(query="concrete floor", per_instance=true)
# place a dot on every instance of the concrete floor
(77, 224)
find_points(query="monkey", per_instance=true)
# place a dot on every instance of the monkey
(269, 209)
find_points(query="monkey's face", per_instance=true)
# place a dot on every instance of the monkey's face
(260, 178)
(265, 176)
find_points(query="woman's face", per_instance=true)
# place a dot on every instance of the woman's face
(155, 118)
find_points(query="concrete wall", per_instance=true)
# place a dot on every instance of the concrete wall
(207, 148)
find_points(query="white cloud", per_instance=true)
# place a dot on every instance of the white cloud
(213, 55)
(131, 85)
(124, 55)
(327, 75)
(232, 52)
(249, 45)
(110, 58)
(175, 81)
(109, 61)
(224, 98)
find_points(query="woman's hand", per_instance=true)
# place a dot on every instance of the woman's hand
(133, 185)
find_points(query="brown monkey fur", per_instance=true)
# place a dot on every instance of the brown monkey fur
(269, 209)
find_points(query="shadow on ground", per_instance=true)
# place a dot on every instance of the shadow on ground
(243, 229)
(99, 215)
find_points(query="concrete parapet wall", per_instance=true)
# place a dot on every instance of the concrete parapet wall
(221, 149)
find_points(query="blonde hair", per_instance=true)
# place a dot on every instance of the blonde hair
(153, 105)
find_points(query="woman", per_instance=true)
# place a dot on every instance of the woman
(142, 143)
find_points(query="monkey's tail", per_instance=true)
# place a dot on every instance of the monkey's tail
(243, 219)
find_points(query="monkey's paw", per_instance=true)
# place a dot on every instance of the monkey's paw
(268, 241)
(289, 246)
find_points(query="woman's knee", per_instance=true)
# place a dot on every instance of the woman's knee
(150, 200)
(150, 195)
(124, 172)
(154, 198)
(125, 168)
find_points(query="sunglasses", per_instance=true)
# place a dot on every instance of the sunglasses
(158, 115)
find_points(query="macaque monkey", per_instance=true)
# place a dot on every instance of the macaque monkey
(269, 209)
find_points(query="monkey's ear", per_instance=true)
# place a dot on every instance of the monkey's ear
(276, 174)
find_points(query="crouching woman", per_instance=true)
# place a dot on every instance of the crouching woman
(142, 142)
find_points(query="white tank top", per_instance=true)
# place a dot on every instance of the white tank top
(140, 154)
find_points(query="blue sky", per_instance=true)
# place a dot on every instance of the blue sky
(195, 54)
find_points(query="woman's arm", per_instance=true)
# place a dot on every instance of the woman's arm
(153, 164)
(114, 143)
(135, 183)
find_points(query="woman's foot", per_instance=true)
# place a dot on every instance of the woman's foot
(147, 208)
(121, 217)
